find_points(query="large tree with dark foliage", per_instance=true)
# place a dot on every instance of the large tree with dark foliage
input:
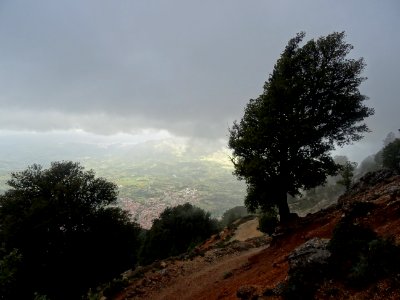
(68, 237)
(311, 102)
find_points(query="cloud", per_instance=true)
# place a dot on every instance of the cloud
(188, 68)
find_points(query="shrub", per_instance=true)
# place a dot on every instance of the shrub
(304, 281)
(359, 209)
(381, 259)
(268, 221)
(349, 241)
(358, 256)
(362, 257)
(176, 231)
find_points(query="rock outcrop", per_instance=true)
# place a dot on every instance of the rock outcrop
(313, 251)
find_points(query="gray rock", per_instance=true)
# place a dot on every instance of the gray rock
(312, 251)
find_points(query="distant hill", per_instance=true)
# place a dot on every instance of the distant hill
(150, 175)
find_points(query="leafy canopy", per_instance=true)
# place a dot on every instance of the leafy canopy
(311, 102)
(68, 236)
(176, 231)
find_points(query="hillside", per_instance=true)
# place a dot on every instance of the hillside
(259, 265)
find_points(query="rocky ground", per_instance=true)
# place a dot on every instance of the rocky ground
(226, 268)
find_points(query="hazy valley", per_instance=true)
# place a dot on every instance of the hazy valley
(150, 175)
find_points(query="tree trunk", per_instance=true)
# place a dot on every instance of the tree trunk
(284, 212)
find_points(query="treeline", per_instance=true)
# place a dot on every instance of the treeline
(61, 233)
(387, 157)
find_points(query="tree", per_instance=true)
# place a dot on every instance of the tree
(10, 265)
(232, 215)
(390, 137)
(391, 155)
(176, 231)
(311, 102)
(368, 164)
(68, 236)
(347, 173)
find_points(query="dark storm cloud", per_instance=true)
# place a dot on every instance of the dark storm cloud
(184, 66)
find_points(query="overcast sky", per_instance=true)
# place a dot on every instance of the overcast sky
(186, 67)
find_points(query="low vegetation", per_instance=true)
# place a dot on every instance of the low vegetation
(268, 220)
(176, 231)
(358, 258)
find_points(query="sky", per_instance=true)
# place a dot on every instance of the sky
(116, 69)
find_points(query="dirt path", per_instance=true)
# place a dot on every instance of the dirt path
(205, 275)
(220, 272)
(189, 279)
(247, 230)
(210, 272)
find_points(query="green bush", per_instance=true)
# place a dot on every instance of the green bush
(304, 281)
(268, 221)
(382, 259)
(349, 241)
(359, 209)
(176, 231)
(360, 256)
